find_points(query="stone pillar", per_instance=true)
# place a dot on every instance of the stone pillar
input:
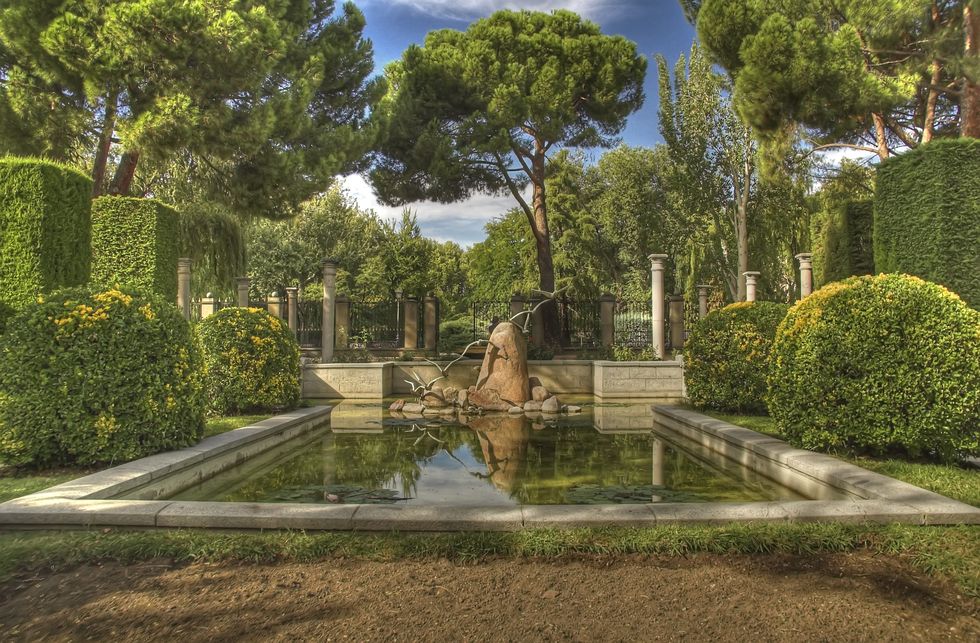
(676, 321)
(806, 273)
(329, 311)
(275, 305)
(517, 307)
(607, 319)
(410, 324)
(537, 323)
(243, 286)
(657, 302)
(292, 308)
(208, 305)
(343, 321)
(184, 286)
(702, 300)
(431, 320)
(750, 279)
(659, 450)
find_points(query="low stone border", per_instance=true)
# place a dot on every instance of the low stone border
(89, 502)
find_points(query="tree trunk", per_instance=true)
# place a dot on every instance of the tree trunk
(880, 135)
(105, 144)
(123, 179)
(970, 103)
(929, 123)
(742, 241)
(542, 240)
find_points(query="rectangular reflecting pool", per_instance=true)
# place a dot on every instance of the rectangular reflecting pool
(607, 454)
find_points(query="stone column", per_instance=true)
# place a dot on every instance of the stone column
(537, 323)
(659, 450)
(292, 308)
(275, 305)
(208, 305)
(431, 320)
(806, 273)
(343, 321)
(517, 306)
(607, 319)
(702, 300)
(329, 311)
(243, 286)
(410, 324)
(184, 286)
(676, 321)
(657, 302)
(750, 279)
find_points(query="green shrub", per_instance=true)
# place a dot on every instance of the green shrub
(455, 334)
(726, 356)
(45, 229)
(842, 245)
(879, 364)
(927, 215)
(624, 353)
(251, 361)
(135, 243)
(89, 376)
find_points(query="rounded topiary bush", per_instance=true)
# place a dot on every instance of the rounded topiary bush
(726, 356)
(97, 376)
(251, 361)
(879, 364)
(455, 334)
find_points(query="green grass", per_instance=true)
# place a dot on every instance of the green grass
(19, 481)
(951, 481)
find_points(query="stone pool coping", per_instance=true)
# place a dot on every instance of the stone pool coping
(89, 502)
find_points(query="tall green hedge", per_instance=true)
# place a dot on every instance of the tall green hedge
(841, 241)
(927, 215)
(45, 229)
(135, 242)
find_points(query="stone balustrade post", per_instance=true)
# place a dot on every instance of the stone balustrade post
(537, 322)
(292, 308)
(657, 302)
(343, 321)
(750, 281)
(410, 324)
(184, 287)
(243, 284)
(274, 305)
(209, 305)
(430, 317)
(702, 300)
(676, 312)
(806, 273)
(327, 341)
(516, 307)
(607, 320)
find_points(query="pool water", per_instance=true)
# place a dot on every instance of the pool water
(607, 454)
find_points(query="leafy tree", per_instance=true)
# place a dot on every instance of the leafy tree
(479, 111)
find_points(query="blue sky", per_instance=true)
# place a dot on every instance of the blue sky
(657, 26)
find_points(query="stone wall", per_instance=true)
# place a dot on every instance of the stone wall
(356, 381)
(624, 380)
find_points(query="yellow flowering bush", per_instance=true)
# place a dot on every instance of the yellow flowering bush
(93, 376)
(251, 361)
(881, 364)
(726, 355)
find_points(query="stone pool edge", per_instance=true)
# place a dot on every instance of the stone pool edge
(87, 502)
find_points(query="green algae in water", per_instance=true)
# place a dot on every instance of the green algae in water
(483, 461)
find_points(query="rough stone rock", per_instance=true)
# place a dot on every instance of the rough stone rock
(514, 410)
(532, 405)
(571, 408)
(487, 399)
(505, 365)
(449, 394)
(504, 440)
(413, 408)
(462, 397)
(551, 405)
(540, 394)
(533, 381)
(433, 399)
(397, 405)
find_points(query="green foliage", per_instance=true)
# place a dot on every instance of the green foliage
(927, 215)
(455, 334)
(135, 242)
(98, 376)
(842, 242)
(622, 353)
(251, 362)
(879, 364)
(212, 238)
(45, 230)
(726, 356)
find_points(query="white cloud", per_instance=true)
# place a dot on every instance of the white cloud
(470, 9)
(460, 222)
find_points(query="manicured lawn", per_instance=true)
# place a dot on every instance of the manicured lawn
(16, 482)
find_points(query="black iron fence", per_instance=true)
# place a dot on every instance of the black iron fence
(376, 324)
(633, 324)
(487, 314)
(580, 323)
(309, 322)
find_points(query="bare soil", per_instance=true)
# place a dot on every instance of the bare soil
(853, 597)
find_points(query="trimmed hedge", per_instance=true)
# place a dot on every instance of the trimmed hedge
(881, 364)
(842, 244)
(455, 334)
(927, 215)
(45, 229)
(251, 361)
(91, 376)
(726, 356)
(135, 242)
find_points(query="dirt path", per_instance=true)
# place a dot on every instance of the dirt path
(828, 598)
